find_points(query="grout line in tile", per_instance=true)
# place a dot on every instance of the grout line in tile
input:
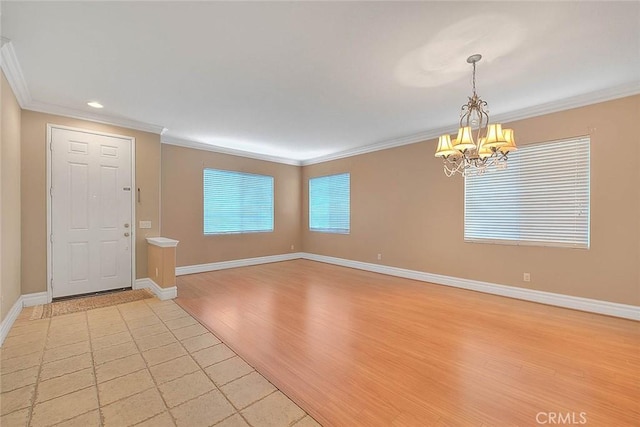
(73, 418)
(262, 398)
(299, 419)
(109, 334)
(167, 308)
(113, 360)
(35, 390)
(215, 386)
(157, 348)
(120, 376)
(95, 378)
(130, 396)
(232, 415)
(65, 358)
(22, 355)
(62, 395)
(33, 396)
(219, 361)
(219, 388)
(155, 383)
(241, 376)
(195, 397)
(19, 370)
(147, 419)
(173, 379)
(239, 412)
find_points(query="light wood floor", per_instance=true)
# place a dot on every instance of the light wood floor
(359, 348)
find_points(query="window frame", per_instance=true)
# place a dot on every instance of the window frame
(523, 241)
(240, 231)
(330, 230)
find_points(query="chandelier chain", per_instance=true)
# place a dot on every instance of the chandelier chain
(474, 78)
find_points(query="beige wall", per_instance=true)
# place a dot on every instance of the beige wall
(182, 209)
(403, 207)
(9, 198)
(162, 265)
(34, 194)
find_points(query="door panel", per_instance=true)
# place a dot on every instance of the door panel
(109, 259)
(78, 194)
(109, 200)
(91, 212)
(79, 261)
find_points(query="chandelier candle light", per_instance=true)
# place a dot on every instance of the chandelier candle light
(479, 144)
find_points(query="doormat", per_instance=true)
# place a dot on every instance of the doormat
(59, 308)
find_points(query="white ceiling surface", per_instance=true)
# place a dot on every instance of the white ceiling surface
(304, 80)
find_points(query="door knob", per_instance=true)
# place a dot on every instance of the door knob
(126, 234)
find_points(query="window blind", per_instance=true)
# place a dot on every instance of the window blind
(542, 198)
(236, 202)
(329, 203)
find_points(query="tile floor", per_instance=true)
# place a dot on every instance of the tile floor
(145, 363)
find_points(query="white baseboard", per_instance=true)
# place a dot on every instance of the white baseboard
(27, 300)
(161, 293)
(577, 303)
(567, 301)
(202, 268)
(8, 320)
(38, 298)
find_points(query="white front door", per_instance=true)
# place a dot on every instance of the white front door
(91, 213)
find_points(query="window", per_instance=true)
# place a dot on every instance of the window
(329, 203)
(236, 202)
(542, 198)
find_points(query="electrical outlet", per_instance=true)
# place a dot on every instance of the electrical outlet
(379, 257)
(526, 277)
(145, 224)
(156, 271)
(291, 247)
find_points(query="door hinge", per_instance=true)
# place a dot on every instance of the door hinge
(51, 146)
(51, 237)
(52, 283)
(51, 191)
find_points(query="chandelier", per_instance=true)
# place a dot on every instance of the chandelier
(479, 144)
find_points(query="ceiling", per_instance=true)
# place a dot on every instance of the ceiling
(305, 81)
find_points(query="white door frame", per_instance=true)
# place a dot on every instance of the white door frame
(50, 127)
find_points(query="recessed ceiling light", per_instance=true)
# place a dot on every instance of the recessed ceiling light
(94, 104)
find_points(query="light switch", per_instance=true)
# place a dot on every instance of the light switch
(145, 224)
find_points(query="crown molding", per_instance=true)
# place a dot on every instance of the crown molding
(42, 107)
(15, 77)
(383, 145)
(590, 98)
(12, 70)
(223, 150)
(603, 95)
